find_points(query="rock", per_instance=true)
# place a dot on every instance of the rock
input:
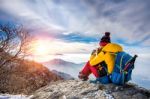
(139, 96)
(76, 89)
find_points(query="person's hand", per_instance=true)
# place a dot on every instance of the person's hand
(96, 51)
(99, 50)
(93, 52)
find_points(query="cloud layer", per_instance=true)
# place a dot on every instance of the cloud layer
(77, 25)
(127, 20)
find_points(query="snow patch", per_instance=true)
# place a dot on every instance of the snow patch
(9, 96)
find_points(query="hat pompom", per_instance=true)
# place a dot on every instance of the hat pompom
(107, 33)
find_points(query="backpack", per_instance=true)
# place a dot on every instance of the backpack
(124, 64)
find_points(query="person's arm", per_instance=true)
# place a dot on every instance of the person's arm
(97, 59)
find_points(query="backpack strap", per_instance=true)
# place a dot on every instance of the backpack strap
(121, 63)
(119, 66)
(127, 63)
(121, 69)
(106, 70)
(130, 62)
(103, 65)
(123, 77)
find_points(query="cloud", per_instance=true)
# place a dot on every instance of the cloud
(79, 23)
(88, 18)
(28, 16)
(70, 51)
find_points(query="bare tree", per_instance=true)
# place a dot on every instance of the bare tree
(14, 43)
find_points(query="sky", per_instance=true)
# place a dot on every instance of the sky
(71, 29)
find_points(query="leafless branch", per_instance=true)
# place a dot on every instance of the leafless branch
(14, 41)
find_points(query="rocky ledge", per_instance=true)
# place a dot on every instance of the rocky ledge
(76, 89)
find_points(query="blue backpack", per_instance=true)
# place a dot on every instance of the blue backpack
(124, 65)
(121, 74)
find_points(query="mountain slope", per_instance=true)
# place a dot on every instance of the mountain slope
(63, 75)
(74, 89)
(24, 77)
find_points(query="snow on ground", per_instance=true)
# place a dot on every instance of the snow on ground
(8, 96)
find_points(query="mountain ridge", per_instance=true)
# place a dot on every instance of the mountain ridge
(58, 61)
(64, 66)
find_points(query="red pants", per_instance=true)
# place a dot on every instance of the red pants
(87, 70)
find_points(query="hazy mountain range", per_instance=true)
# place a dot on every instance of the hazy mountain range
(64, 66)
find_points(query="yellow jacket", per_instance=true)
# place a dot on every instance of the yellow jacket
(107, 54)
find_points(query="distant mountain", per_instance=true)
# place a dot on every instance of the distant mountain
(64, 66)
(60, 62)
(65, 76)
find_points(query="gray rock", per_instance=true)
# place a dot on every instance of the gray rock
(76, 89)
(139, 96)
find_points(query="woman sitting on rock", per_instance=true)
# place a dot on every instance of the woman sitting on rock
(104, 55)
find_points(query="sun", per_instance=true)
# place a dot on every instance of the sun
(40, 48)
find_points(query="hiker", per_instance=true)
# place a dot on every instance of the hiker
(104, 55)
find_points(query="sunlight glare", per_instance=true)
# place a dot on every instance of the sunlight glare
(41, 48)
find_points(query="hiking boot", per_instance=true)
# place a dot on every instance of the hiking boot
(82, 76)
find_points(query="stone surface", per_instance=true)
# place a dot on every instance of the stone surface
(76, 89)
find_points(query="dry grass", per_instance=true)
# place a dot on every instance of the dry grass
(24, 77)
